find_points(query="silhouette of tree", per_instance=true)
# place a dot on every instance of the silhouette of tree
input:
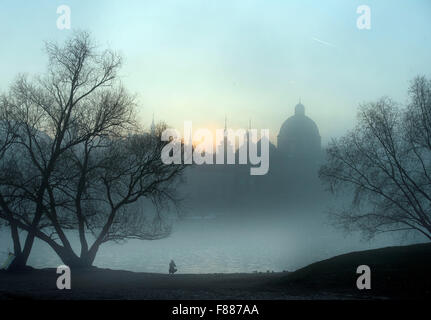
(75, 158)
(7, 138)
(386, 161)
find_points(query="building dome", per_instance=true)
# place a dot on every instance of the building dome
(299, 136)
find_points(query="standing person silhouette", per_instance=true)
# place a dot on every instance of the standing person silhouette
(172, 267)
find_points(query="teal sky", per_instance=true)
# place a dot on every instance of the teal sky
(200, 60)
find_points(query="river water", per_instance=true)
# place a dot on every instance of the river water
(220, 246)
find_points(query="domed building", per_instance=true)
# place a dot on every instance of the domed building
(299, 137)
(292, 178)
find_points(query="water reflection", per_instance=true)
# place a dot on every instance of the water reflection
(219, 246)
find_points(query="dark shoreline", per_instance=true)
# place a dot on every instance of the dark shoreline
(397, 272)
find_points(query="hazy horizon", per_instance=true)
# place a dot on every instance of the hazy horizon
(247, 60)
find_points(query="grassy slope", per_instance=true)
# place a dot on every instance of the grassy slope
(403, 271)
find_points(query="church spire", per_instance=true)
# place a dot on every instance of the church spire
(225, 125)
(153, 126)
(247, 134)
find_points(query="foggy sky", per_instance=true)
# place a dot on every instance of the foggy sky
(201, 60)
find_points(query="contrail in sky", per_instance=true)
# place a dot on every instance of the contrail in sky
(323, 42)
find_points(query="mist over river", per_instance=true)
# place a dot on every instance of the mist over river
(222, 245)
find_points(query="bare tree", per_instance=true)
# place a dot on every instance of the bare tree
(79, 156)
(386, 163)
(114, 175)
(7, 138)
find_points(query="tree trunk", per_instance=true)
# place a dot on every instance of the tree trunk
(89, 257)
(21, 258)
(18, 264)
(15, 238)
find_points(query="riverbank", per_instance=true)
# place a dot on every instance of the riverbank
(397, 272)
